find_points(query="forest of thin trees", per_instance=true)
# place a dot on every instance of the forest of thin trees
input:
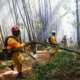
(36, 18)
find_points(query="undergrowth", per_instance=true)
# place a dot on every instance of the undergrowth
(63, 60)
(48, 70)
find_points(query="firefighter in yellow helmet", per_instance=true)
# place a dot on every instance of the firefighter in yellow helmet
(52, 40)
(14, 44)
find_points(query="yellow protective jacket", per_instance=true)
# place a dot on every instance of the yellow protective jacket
(53, 39)
(63, 39)
(16, 56)
(13, 43)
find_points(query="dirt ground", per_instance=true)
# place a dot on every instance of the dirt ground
(7, 74)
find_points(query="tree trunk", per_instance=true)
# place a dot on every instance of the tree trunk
(77, 22)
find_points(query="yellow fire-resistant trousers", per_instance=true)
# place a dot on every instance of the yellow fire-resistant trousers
(54, 50)
(17, 61)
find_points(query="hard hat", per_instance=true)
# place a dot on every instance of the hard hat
(53, 31)
(14, 28)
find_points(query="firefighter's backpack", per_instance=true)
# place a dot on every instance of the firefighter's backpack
(7, 53)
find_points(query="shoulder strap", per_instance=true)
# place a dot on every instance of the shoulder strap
(50, 40)
(12, 37)
(5, 44)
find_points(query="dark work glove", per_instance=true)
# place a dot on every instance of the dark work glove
(29, 43)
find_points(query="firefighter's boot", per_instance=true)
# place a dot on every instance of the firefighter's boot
(52, 55)
(20, 75)
(11, 67)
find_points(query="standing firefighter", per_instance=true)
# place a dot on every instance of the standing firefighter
(64, 40)
(14, 44)
(52, 40)
(71, 41)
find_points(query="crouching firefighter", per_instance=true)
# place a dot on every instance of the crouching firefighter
(52, 40)
(13, 46)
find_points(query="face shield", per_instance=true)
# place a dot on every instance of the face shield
(16, 32)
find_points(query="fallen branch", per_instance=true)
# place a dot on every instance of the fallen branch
(56, 46)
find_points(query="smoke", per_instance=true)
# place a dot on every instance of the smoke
(67, 29)
(48, 13)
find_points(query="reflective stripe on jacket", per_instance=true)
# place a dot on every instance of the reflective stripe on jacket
(52, 40)
(14, 43)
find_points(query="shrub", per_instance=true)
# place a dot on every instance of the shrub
(47, 70)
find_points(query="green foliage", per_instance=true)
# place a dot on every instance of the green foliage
(49, 49)
(78, 24)
(36, 20)
(43, 71)
(41, 47)
(27, 67)
(2, 55)
(47, 70)
(1, 47)
(28, 76)
(37, 24)
(22, 26)
(24, 56)
(2, 65)
(8, 62)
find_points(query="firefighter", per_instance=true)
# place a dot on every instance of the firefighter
(52, 40)
(64, 40)
(71, 41)
(14, 44)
